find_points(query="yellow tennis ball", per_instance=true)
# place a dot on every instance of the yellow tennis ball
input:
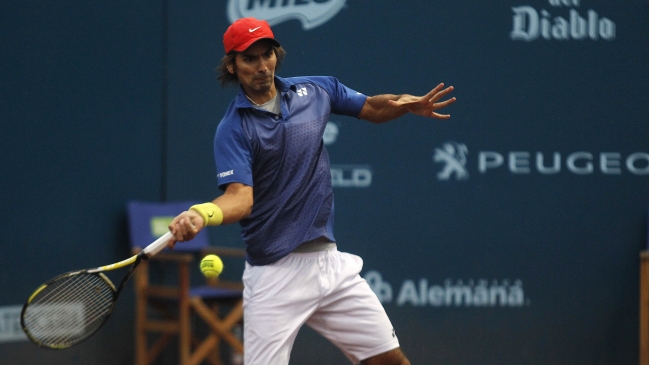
(211, 266)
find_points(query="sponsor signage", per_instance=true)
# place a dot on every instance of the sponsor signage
(481, 293)
(565, 21)
(59, 319)
(10, 329)
(346, 176)
(351, 176)
(311, 13)
(454, 163)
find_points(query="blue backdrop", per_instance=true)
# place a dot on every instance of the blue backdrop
(506, 235)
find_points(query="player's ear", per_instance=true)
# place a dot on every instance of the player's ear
(231, 67)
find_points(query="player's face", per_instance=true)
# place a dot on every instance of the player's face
(255, 68)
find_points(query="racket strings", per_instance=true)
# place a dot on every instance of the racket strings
(69, 310)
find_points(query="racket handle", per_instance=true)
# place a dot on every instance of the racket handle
(158, 245)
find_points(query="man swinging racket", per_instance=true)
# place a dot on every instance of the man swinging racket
(275, 173)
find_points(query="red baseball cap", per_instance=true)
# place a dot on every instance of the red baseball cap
(246, 31)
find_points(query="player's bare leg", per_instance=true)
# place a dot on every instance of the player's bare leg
(392, 357)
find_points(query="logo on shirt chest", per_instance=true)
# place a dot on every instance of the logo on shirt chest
(301, 91)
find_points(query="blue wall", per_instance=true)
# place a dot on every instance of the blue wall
(81, 134)
(515, 264)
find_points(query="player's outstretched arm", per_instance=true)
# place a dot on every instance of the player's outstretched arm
(235, 204)
(386, 107)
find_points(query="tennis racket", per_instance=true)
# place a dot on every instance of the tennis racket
(71, 307)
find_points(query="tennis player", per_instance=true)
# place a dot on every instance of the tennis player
(275, 173)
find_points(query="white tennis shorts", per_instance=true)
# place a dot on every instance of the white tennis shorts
(325, 291)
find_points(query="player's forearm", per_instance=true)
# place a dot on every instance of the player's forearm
(233, 211)
(377, 109)
(235, 203)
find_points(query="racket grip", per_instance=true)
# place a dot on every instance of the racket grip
(158, 245)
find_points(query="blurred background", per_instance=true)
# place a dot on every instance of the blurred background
(508, 234)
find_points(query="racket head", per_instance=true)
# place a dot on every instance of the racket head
(68, 309)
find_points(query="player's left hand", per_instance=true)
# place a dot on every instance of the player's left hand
(426, 105)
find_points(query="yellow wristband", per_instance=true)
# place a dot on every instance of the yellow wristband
(211, 213)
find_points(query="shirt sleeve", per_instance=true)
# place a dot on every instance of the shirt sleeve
(344, 100)
(233, 155)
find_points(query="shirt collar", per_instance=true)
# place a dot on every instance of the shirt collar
(241, 101)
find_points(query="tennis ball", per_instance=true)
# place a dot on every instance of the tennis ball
(211, 266)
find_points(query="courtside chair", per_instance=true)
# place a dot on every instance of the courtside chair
(169, 310)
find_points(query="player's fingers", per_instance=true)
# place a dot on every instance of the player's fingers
(437, 88)
(171, 244)
(441, 94)
(192, 230)
(440, 116)
(432, 93)
(172, 225)
(184, 230)
(444, 103)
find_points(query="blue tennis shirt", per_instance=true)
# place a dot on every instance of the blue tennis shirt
(284, 159)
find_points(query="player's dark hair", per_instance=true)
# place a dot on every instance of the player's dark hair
(225, 77)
